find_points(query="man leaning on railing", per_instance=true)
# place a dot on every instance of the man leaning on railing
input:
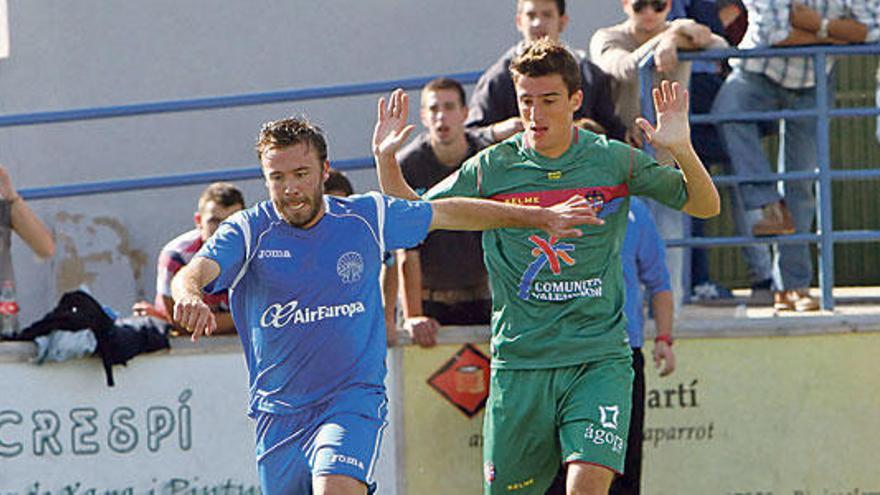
(778, 83)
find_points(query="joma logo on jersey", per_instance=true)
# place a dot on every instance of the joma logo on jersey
(273, 253)
(280, 315)
(347, 459)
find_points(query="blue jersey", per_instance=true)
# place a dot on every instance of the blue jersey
(306, 302)
(644, 263)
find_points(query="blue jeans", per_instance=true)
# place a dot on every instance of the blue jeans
(746, 91)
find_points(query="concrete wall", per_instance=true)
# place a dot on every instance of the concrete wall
(66, 55)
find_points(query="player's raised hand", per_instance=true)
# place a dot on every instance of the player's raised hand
(391, 129)
(671, 108)
(195, 317)
(563, 218)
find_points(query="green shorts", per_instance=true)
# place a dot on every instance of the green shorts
(537, 420)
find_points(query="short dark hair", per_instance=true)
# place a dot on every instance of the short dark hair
(560, 4)
(288, 132)
(446, 83)
(337, 181)
(222, 193)
(545, 57)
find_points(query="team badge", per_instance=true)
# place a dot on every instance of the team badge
(350, 267)
(595, 199)
(489, 472)
(555, 175)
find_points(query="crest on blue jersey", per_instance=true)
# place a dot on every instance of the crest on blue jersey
(350, 267)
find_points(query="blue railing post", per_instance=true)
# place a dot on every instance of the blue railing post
(823, 191)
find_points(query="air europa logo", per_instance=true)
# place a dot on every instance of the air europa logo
(280, 315)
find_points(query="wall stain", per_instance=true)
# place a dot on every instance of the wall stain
(73, 267)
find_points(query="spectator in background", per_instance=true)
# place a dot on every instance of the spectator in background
(16, 216)
(644, 263)
(643, 256)
(778, 83)
(337, 184)
(618, 49)
(726, 18)
(432, 293)
(216, 203)
(493, 103)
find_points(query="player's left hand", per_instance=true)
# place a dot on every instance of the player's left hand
(563, 218)
(664, 357)
(391, 129)
(671, 107)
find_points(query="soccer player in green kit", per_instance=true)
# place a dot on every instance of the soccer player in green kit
(561, 375)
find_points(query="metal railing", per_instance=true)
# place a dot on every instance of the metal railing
(825, 236)
(196, 104)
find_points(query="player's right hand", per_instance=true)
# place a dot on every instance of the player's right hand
(195, 316)
(563, 218)
(422, 329)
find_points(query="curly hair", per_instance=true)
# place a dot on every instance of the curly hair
(288, 132)
(545, 57)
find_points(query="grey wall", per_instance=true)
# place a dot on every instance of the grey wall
(66, 55)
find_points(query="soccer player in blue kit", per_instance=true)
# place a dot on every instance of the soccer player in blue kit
(302, 272)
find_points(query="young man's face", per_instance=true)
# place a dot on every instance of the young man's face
(536, 19)
(644, 16)
(443, 114)
(295, 179)
(211, 214)
(547, 110)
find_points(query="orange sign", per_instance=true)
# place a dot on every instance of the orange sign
(464, 380)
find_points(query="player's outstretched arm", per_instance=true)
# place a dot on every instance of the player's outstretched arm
(390, 133)
(190, 312)
(560, 220)
(673, 133)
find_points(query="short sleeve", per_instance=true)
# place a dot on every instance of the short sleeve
(228, 248)
(648, 178)
(405, 223)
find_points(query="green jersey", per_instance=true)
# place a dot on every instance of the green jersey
(559, 302)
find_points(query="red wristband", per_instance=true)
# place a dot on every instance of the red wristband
(664, 338)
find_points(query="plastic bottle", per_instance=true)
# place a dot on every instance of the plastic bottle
(8, 310)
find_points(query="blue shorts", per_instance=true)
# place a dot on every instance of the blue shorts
(340, 436)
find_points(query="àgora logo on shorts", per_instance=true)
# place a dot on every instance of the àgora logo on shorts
(608, 416)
